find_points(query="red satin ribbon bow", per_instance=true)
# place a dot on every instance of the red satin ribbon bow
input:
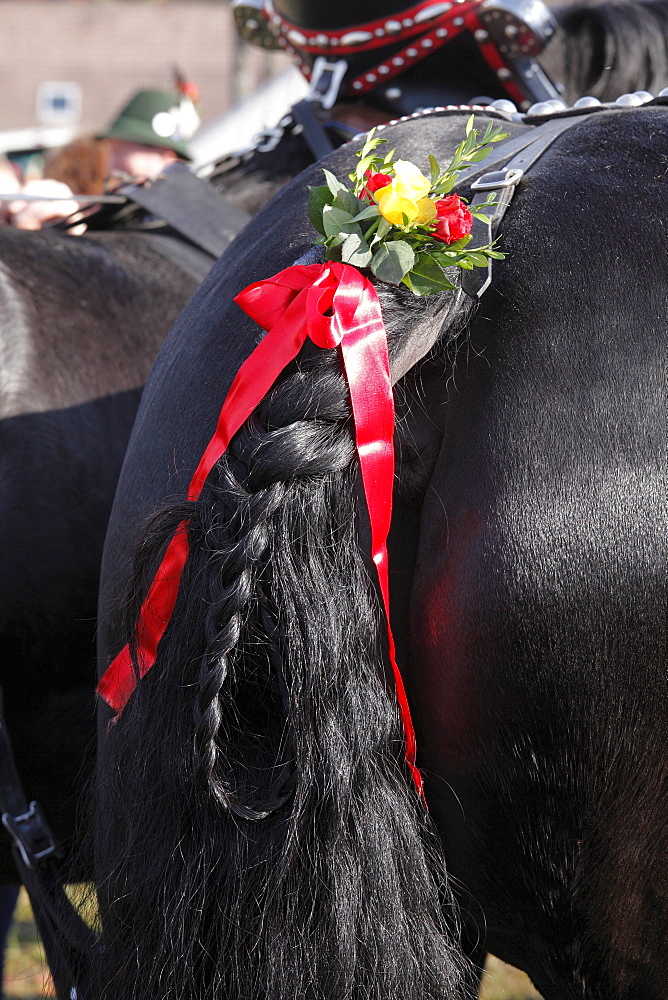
(334, 305)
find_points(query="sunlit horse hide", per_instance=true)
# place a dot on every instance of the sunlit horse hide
(528, 581)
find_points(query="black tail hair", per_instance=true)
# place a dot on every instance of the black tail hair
(615, 47)
(261, 838)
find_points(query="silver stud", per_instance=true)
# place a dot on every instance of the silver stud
(506, 106)
(628, 101)
(384, 70)
(296, 37)
(555, 104)
(644, 96)
(393, 93)
(663, 93)
(411, 53)
(510, 30)
(371, 77)
(356, 37)
(379, 32)
(357, 85)
(503, 73)
(586, 102)
(426, 43)
(392, 27)
(433, 10)
(540, 108)
(407, 22)
(458, 21)
(397, 61)
(480, 35)
(441, 32)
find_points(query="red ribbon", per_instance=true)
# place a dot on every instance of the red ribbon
(334, 305)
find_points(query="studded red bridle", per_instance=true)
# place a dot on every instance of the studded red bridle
(419, 30)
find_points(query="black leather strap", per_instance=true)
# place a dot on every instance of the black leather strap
(70, 945)
(191, 207)
(314, 132)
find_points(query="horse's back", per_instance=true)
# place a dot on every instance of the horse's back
(540, 683)
(81, 321)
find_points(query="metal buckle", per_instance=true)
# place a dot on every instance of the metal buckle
(253, 23)
(326, 78)
(498, 179)
(518, 27)
(31, 835)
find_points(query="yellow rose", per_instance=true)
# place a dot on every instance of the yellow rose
(406, 196)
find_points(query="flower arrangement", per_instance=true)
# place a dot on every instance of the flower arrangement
(405, 227)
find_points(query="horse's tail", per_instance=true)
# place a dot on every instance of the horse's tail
(615, 47)
(263, 839)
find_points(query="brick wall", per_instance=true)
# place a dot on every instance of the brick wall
(111, 48)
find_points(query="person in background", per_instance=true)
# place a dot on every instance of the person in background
(82, 164)
(149, 133)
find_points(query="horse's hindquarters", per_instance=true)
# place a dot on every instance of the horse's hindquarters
(539, 678)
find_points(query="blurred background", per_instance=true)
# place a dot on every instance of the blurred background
(67, 66)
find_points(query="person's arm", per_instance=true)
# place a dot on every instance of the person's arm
(33, 214)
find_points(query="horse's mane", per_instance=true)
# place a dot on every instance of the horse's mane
(614, 47)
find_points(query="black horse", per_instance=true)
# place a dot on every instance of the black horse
(528, 560)
(82, 320)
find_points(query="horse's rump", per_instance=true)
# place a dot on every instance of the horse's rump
(538, 520)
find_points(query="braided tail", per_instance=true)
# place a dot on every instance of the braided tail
(267, 843)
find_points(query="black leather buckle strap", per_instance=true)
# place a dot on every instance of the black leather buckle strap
(503, 183)
(313, 131)
(31, 835)
(71, 946)
(191, 207)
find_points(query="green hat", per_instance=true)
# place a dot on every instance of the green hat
(156, 118)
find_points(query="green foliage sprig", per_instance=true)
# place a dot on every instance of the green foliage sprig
(402, 225)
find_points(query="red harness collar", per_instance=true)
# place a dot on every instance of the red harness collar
(424, 28)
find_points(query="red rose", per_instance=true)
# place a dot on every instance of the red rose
(374, 182)
(453, 219)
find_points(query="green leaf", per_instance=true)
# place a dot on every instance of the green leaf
(477, 259)
(435, 169)
(392, 261)
(370, 212)
(335, 241)
(460, 244)
(426, 277)
(480, 154)
(383, 228)
(469, 125)
(389, 157)
(318, 197)
(336, 221)
(333, 183)
(355, 251)
(347, 202)
(364, 164)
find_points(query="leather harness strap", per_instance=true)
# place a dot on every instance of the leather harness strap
(70, 945)
(502, 183)
(191, 207)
